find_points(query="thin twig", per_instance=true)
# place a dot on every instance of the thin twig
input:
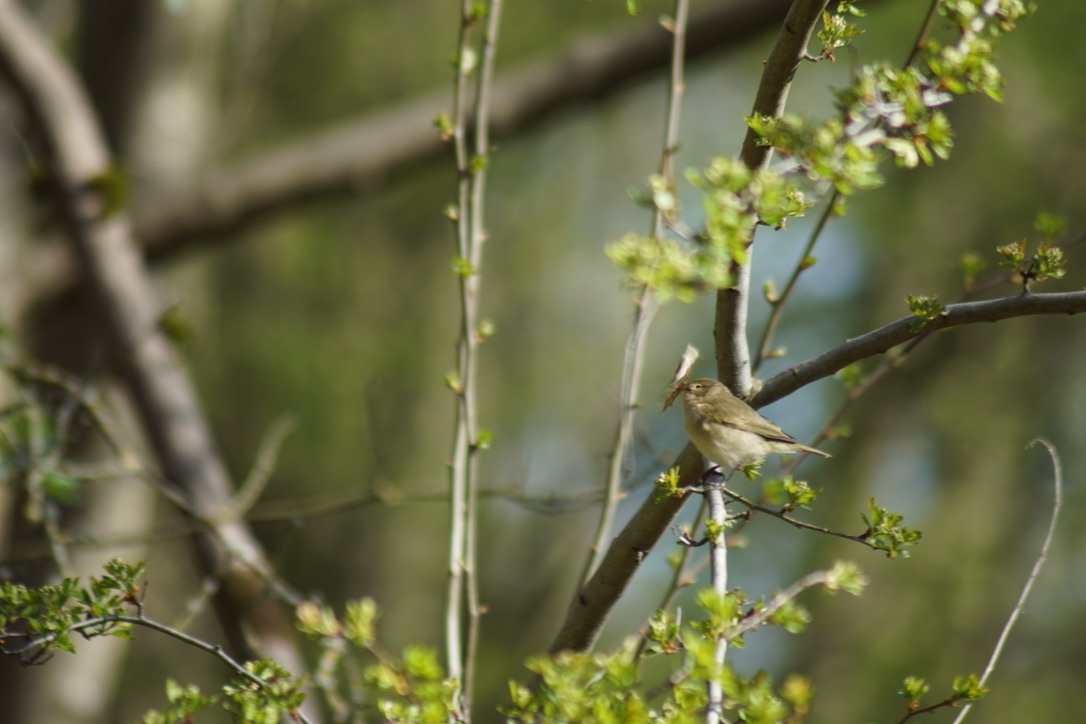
(645, 307)
(53, 376)
(779, 599)
(214, 649)
(925, 30)
(471, 162)
(798, 523)
(777, 305)
(478, 236)
(1019, 606)
(263, 466)
(462, 435)
(831, 203)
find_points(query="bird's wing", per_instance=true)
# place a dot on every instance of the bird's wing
(763, 427)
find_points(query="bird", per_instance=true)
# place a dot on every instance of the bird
(728, 431)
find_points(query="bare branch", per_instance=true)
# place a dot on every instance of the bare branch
(730, 325)
(645, 305)
(905, 329)
(358, 157)
(595, 600)
(109, 259)
(795, 522)
(718, 555)
(1057, 504)
(588, 613)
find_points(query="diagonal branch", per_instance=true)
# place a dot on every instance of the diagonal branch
(109, 261)
(358, 157)
(589, 612)
(596, 598)
(903, 330)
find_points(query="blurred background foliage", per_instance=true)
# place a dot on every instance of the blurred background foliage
(341, 313)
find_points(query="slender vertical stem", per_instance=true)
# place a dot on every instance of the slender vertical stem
(478, 236)
(645, 307)
(460, 457)
(718, 556)
(471, 163)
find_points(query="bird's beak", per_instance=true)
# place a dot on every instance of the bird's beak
(674, 393)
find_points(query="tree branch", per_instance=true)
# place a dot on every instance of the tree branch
(588, 613)
(591, 607)
(730, 324)
(358, 157)
(109, 260)
(905, 329)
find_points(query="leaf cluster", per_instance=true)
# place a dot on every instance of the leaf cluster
(885, 112)
(964, 689)
(609, 686)
(885, 532)
(36, 621)
(734, 199)
(1046, 262)
(409, 688)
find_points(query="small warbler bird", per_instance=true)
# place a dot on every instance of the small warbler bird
(727, 430)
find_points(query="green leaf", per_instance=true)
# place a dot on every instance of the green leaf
(113, 191)
(64, 489)
(1014, 254)
(360, 621)
(463, 267)
(444, 127)
(914, 689)
(968, 688)
(925, 308)
(970, 266)
(846, 576)
(317, 621)
(885, 532)
(851, 376)
(667, 484)
(484, 439)
(792, 617)
(1048, 224)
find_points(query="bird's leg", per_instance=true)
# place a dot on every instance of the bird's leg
(710, 472)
